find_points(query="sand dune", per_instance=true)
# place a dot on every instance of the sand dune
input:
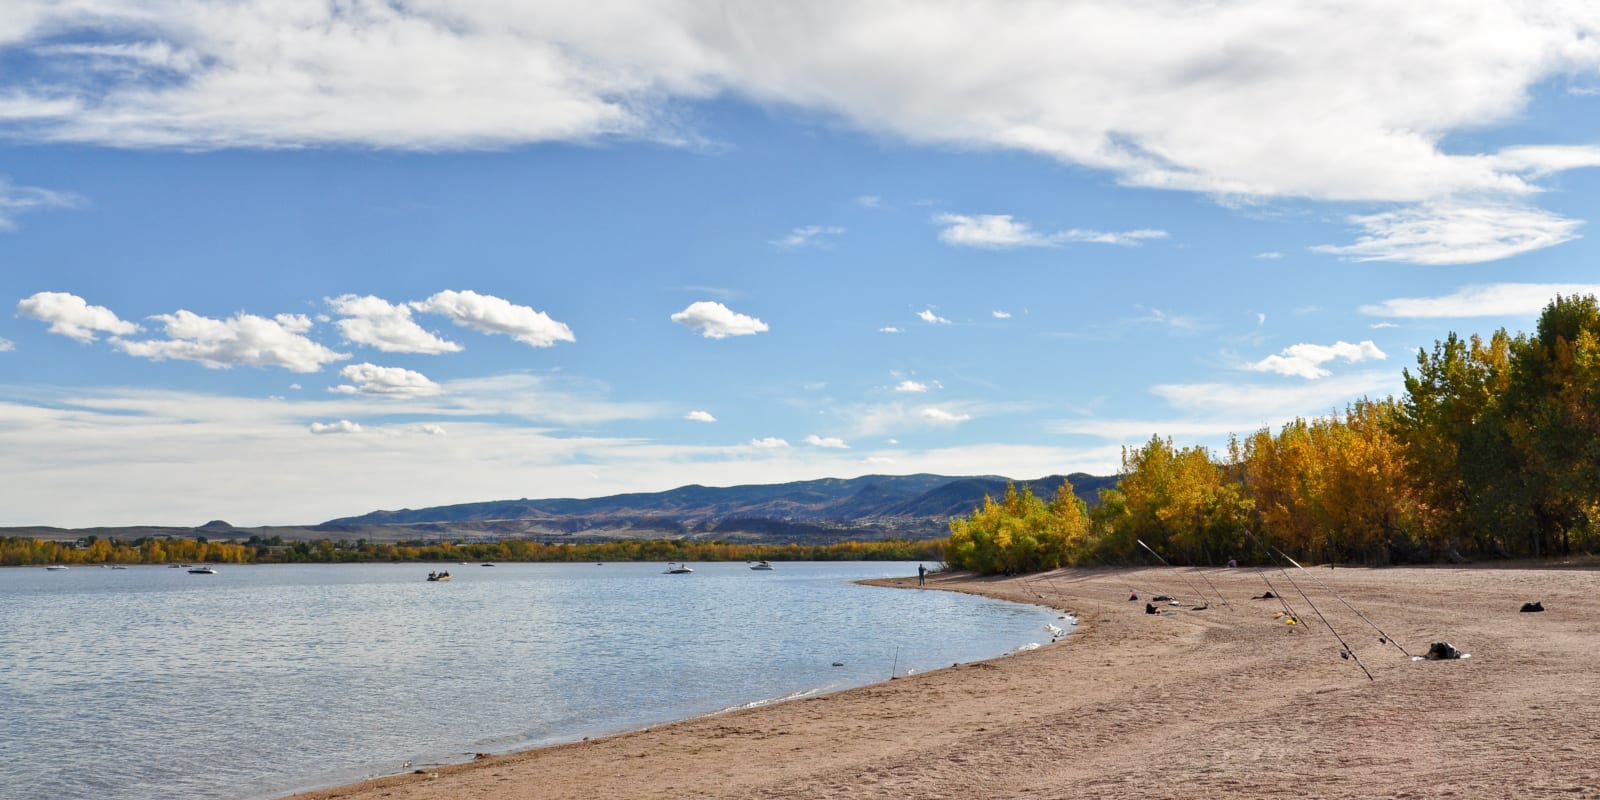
(1225, 702)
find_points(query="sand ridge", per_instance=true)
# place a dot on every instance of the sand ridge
(1225, 702)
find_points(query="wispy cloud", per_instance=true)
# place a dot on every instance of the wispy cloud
(1448, 233)
(890, 329)
(943, 417)
(342, 426)
(73, 317)
(809, 235)
(1486, 300)
(769, 443)
(869, 201)
(1271, 255)
(1306, 360)
(1000, 314)
(15, 200)
(716, 321)
(1001, 231)
(911, 386)
(927, 315)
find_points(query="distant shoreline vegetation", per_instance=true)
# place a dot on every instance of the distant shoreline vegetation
(23, 551)
(1493, 452)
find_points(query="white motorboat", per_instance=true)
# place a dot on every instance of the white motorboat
(674, 568)
(202, 570)
(56, 567)
(762, 565)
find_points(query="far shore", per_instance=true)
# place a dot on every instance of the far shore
(1224, 702)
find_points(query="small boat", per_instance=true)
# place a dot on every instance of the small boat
(56, 567)
(118, 566)
(202, 570)
(674, 568)
(762, 565)
(486, 565)
(437, 577)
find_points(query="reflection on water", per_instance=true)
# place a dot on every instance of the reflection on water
(152, 682)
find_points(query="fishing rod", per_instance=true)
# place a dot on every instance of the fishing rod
(1385, 638)
(1346, 652)
(1181, 575)
(1277, 595)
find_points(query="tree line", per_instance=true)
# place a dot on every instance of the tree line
(21, 551)
(1493, 451)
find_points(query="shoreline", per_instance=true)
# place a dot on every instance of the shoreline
(1194, 703)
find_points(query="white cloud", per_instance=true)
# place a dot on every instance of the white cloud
(808, 235)
(942, 416)
(6, 345)
(699, 416)
(431, 429)
(72, 316)
(1379, 325)
(890, 329)
(831, 442)
(489, 314)
(1271, 255)
(1261, 319)
(911, 386)
(869, 201)
(240, 340)
(1277, 401)
(1449, 233)
(370, 379)
(342, 426)
(877, 460)
(716, 321)
(1306, 360)
(1487, 300)
(927, 315)
(1000, 314)
(997, 231)
(769, 443)
(16, 199)
(375, 322)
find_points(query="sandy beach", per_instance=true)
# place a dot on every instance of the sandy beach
(1224, 702)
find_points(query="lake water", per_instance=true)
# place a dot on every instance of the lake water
(258, 681)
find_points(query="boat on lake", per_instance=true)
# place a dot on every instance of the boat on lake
(56, 567)
(674, 568)
(437, 577)
(762, 565)
(202, 570)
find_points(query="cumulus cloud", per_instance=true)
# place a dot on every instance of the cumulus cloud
(342, 426)
(808, 235)
(927, 315)
(375, 322)
(6, 345)
(769, 443)
(489, 314)
(831, 442)
(1306, 360)
(716, 321)
(1000, 314)
(911, 386)
(72, 316)
(240, 340)
(16, 199)
(1487, 300)
(699, 416)
(942, 416)
(1447, 233)
(1000, 231)
(371, 379)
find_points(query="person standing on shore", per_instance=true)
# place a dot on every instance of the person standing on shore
(922, 574)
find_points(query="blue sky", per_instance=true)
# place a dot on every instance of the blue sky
(278, 262)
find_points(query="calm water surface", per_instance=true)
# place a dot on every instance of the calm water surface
(152, 683)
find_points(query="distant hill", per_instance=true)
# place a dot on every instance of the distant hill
(806, 512)
(869, 507)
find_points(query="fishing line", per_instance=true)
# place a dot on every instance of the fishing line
(1347, 652)
(1181, 575)
(1386, 638)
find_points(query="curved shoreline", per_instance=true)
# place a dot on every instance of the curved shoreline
(1210, 703)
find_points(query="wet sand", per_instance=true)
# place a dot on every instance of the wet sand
(1188, 704)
